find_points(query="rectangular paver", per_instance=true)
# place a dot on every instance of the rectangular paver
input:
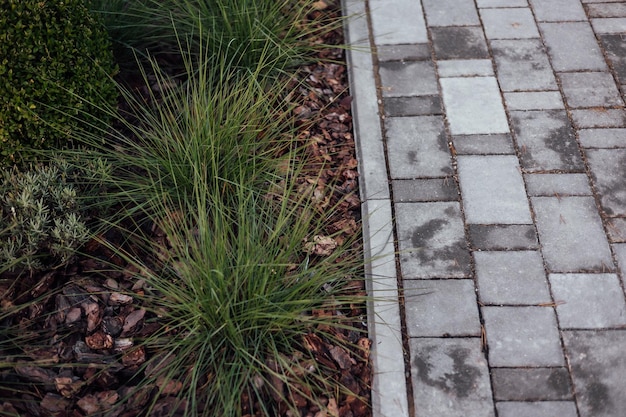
(403, 52)
(495, 144)
(431, 240)
(531, 384)
(608, 169)
(598, 117)
(502, 3)
(438, 308)
(509, 23)
(523, 64)
(590, 89)
(607, 10)
(609, 25)
(412, 106)
(565, 40)
(450, 12)
(450, 378)
(493, 190)
(534, 100)
(474, 106)
(503, 236)
(571, 234)
(511, 277)
(538, 409)
(465, 68)
(522, 336)
(588, 301)
(557, 10)
(417, 147)
(399, 23)
(546, 140)
(603, 138)
(554, 185)
(407, 78)
(615, 49)
(459, 42)
(428, 189)
(598, 368)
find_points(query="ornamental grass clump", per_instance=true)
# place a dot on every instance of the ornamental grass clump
(55, 70)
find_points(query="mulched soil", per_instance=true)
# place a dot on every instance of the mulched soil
(83, 315)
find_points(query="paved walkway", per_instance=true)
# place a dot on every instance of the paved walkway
(492, 145)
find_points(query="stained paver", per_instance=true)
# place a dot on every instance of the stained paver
(491, 137)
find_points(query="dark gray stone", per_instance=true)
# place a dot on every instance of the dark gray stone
(459, 42)
(598, 117)
(407, 78)
(523, 64)
(615, 47)
(599, 371)
(494, 144)
(531, 384)
(590, 89)
(503, 237)
(537, 409)
(608, 172)
(410, 52)
(412, 106)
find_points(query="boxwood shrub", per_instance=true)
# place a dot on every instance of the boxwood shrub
(56, 68)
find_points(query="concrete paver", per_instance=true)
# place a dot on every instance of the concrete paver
(491, 137)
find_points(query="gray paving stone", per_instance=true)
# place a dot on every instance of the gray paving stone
(409, 52)
(438, 308)
(552, 185)
(412, 106)
(454, 42)
(401, 24)
(609, 25)
(590, 301)
(616, 229)
(511, 277)
(608, 172)
(546, 140)
(407, 78)
(432, 240)
(607, 10)
(503, 237)
(496, 144)
(465, 68)
(538, 409)
(522, 336)
(601, 1)
(523, 64)
(620, 254)
(534, 100)
(509, 23)
(450, 13)
(493, 190)
(598, 368)
(602, 138)
(599, 118)
(450, 378)
(557, 10)
(565, 40)
(531, 384)
(430, 189)
(590, 89)
(474, 106)
(615, 47)
(501, 3)
(571, 234)
(417, 147)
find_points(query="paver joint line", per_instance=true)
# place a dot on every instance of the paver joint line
(501, 172)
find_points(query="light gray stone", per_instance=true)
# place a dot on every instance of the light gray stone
(603, 138)
(534, 100)
(599, 117)
(493, 190)
(418, 147)
(474, 106)
(571, 234)
(501, 3)
(557, 10)
(608, 172)
(588, 301)
(465, 68)
(590, 89)
(620, 254)
(523, 64)
(607, 10)
(496, 144)
(560, 39)
(598, 368)
(438, 308)
(401, 24)
(429, 189)
(407, 78)
(432, 240)
(538, 409)
(503, 236)
(522, 336)
(450, 13)
(609, 25)
(511, 277)
(546, 140)
(410, 52)
(552, 185)
(531, 384)
(509, 23)
(450, 378)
